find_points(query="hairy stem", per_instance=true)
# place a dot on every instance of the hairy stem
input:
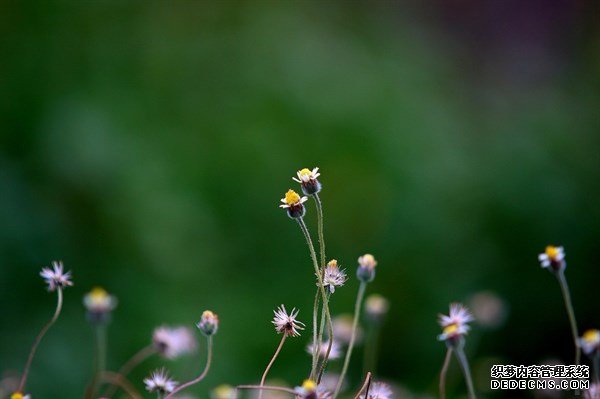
(444, 372)
(570, 312)
(464, 365)
(202, 375)
(39, 337)
(357, 306)
(316, 344)
(129, 365)
(264, 376)
(365, 387)
(313, 256)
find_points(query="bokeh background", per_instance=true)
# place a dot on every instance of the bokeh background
(147, 144)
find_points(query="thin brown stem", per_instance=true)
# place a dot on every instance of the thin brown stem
(365, 387)
(267, 388)
(38, 339)
(201, 376)
(357, 306)
(444, 372)
(129, 365)
(264, 376)
(464, 365)
(122, 382)
(570, 312)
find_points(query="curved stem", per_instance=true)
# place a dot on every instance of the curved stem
(313, 256)
(122, 382)
(129, 365)
(444, 372)
(464, 365)
(264, 376)
(357, 306)
(329, 343)
(267, 388)
(570, 311)
(38, 339)
(365, 387)
(201, 376)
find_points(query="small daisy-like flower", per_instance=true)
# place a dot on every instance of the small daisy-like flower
(99, 304)
(590, 342)
(294, 204)
(173, 342)
(224, 391)
(309, 390)
(160, 382)
(376, 307)
(366, 268)
(334, 353)
(19, 395)
(553, 257)
(455, 324)
(334, 277)
(56, 277)
(379, 390)
(287, 324)
(593, 392)
(342, 329)
(308, 180)
(209, 323)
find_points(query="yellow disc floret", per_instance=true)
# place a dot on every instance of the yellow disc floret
(552, 251)
(17, 395)
(591, 336)
(98, 294)
(305, 172)
(451, 329)
(309, 385)
(292, 198)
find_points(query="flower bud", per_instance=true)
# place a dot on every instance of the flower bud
(209, 323)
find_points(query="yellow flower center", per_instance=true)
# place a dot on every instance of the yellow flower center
(591, 336)
(305, 172)
(451, 329)
(332, 263)
(207, 314)
(552, 251)
(98, 294)
(223, 391)
(309, 385)
(17, 395)
(292, 197)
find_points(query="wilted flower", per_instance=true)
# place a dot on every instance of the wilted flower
(309, 390)
(99, 304)
(366, 268)
(287, 324)
(593, 392)
(173, 342)
(55, 277)
(308, 179)
(334, 353)
(455, 324)
(334, 277)
(376, 307)
(590, 342)
(160, 382)
(223, 391)
(553, 257)
(209, 323)
(342, 329)
(294, 204)
(379, 390)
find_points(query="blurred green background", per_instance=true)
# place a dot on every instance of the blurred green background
(147, 145)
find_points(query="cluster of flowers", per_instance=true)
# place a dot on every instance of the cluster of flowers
(332, 337)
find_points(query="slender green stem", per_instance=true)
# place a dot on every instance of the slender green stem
(365, 387)
(371, 348)
(316, 344)
(464, 365)
(444, 372)
(122, 382)
(129, 365)
(329, 342)
(357, 306)
(313, 256)
(38, 339)
(100, 357)
(181, 387)
(570, 311)
(264, 376)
